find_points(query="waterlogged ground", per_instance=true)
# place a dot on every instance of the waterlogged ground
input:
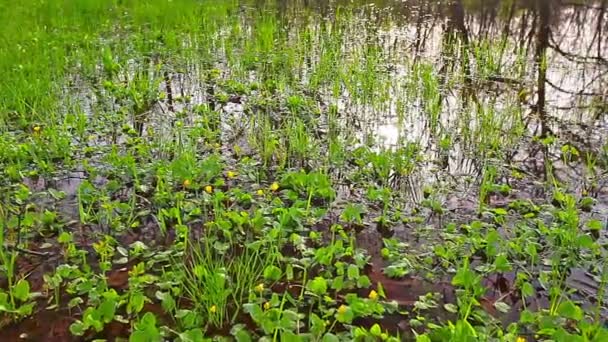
(304, 171)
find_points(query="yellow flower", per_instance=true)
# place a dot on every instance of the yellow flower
(208, 189)
(342, 309)
(274, 186)
(187, 183)
(231, 174)
(259, 288)
(266, 305)
(213, 309)
(373, 295)
(216, 145)
(260, 192)
(521, 339)
(37, 129)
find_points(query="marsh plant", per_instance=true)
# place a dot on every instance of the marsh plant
(303, 170)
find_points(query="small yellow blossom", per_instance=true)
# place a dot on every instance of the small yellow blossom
(521, 339)
(187, 183)
(373, 295)
(266, 305)
(216, 145)
(208, 189)
(274, 186)
(213, 309)
(231, 174)
(259, 288)
(37, 129)
(260, 192)
(342, 309)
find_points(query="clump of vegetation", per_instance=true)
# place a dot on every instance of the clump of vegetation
(267, 170)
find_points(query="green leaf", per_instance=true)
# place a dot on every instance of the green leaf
(345, 314)
(500, 211)
(464, 276)
(272, 273)
(375, 330)
(107, 310)
(26, 309)
(194, 335)
(317, 325)
(318, 286)
(21, 290)
(149, 320)
(240, 333)
(140, 336)
(136, 302)
(363, 282)
(423, 338)
(329, 337)
(502, 307)
(64, 238)
(570, 310)
(594, 224)
(526, 317)
(254, 311)
(289, 272)
(167, 301)
(338, 283)
(77, 328)
(527, 289)
(449, 307)
(502, 264)
(585, 241)
(353, 272)
(74, 302)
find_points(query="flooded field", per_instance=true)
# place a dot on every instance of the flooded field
(304, 170)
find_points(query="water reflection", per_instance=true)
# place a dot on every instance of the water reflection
(538, 67)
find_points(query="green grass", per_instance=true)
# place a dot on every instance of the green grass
(281, 218)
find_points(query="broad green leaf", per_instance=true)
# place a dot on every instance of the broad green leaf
(502, 264)
(194, 335)
(272, 273)
(318, 286)
(240, 333)
(353, 272)
(363, 282)
(136, 302)
(107, 310)
(376, 330)
(329, 337)
(345, 314)
(527, 289)
(21, 290)
(77, 328)
(570, 310)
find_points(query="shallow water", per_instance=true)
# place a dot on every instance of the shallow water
(484, 76)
